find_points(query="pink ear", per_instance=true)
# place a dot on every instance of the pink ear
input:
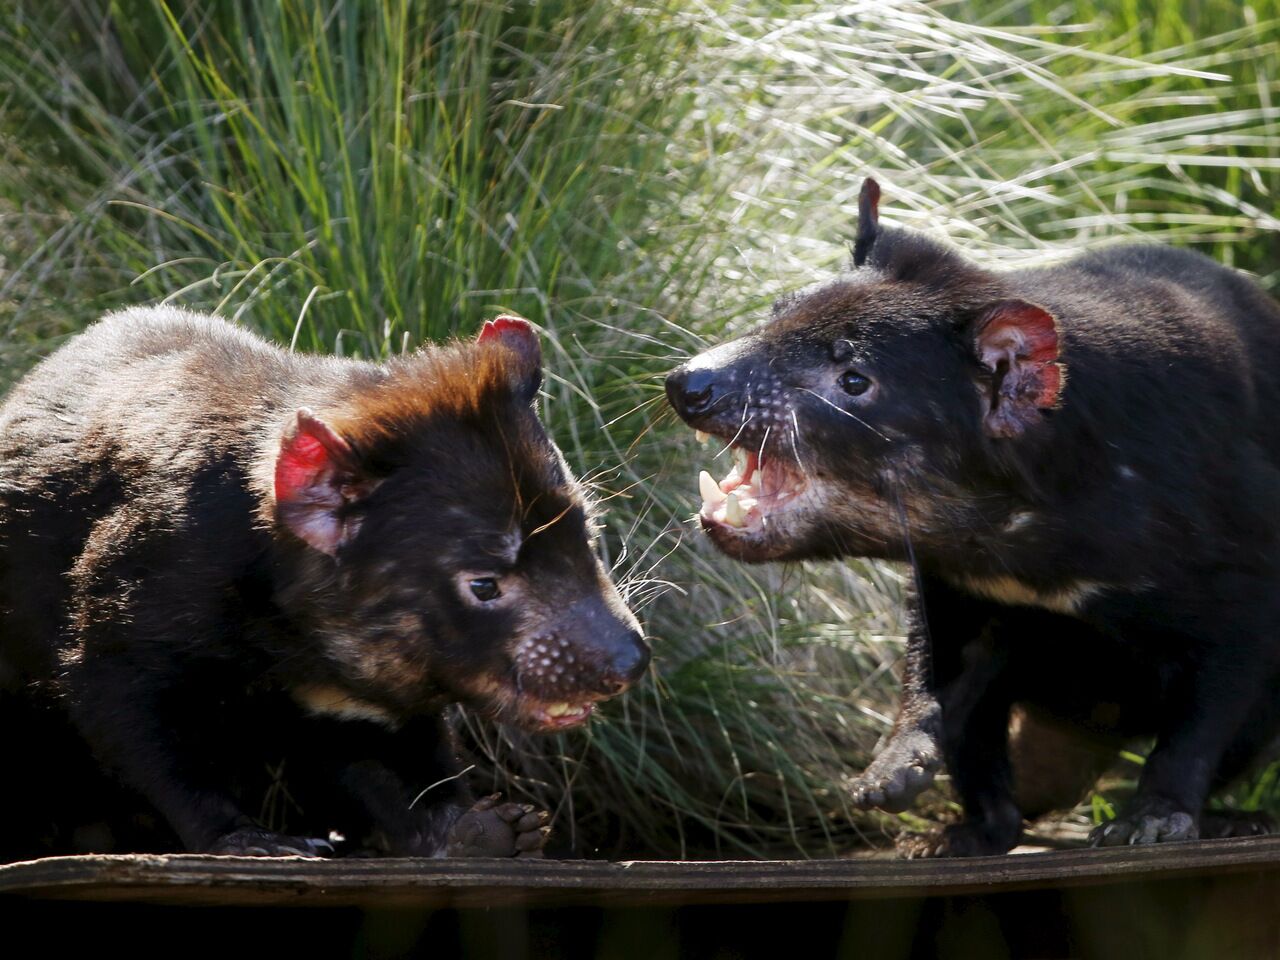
(515, 332)
(518, 334)
(314, 480)
(506, 326)
(1018, 343)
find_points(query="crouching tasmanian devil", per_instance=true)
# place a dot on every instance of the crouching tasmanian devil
(1080, 461)
(215, 553)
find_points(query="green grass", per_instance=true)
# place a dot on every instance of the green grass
(638, 181)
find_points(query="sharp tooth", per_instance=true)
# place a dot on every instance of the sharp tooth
(733, 513)
(710, 490)
(701, 437)
(740, 459)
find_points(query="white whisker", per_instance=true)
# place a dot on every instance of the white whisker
(848, 414)
(745, 424)
(795, 445)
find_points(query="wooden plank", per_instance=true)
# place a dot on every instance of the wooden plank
(246, 881)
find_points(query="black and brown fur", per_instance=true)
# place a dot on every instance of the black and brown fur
(215, 553)
(1082, 462)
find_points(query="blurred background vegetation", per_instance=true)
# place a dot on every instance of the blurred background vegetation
(639, 180)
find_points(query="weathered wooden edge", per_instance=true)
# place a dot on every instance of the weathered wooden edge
(246, 881)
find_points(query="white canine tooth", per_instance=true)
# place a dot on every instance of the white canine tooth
(740, 458)
(733, 512)
(710, 490)
(701, 437)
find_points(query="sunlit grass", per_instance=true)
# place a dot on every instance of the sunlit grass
(639, 181)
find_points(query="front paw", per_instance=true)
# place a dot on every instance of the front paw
(904, 769)
(1151, 821)
(972, 838)
(256, 842)
(492, 829)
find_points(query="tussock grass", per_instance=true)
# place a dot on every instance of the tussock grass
(638, 179)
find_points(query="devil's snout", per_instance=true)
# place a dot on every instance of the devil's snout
(710, 383)
(627, 665)
(618, 651)
(593, 651)
(693, 391)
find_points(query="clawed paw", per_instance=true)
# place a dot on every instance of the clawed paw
(1152, 822)
(256, 842)
(493, 829)
(902, 771)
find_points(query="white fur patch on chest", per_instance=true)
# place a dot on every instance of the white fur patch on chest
(1068, 599)
(332, 702)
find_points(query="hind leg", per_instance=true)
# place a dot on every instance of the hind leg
(1257, 743)
(1216, 696)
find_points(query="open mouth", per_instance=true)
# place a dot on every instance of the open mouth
(556, 716)
(757, 488)
(507, 703)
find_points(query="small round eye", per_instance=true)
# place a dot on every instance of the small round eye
(485, 589)
(854, 384)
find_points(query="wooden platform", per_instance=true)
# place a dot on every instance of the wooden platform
(432, 884)
(1186, 901)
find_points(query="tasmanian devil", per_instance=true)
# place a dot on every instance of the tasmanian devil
(1079, 460)
(215, 553)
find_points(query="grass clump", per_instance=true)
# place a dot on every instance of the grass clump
(639, 181)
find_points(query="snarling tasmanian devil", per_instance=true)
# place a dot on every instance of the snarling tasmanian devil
(1081, 462)
(215, 553)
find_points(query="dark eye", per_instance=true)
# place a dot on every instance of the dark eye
(485, 589)
(854, 384)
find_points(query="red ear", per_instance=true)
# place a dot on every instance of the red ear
(1018, 343)
(315, 478)
(518, 334)
(507, 326)
(515, 332)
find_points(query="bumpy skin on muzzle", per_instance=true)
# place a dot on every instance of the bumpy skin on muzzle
(595, 649)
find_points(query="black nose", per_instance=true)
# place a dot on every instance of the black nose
(627, 666)
(691, 392)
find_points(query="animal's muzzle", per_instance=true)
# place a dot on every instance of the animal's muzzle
(708, 390)
(627, 665)
(693, 392)
(593, 651)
